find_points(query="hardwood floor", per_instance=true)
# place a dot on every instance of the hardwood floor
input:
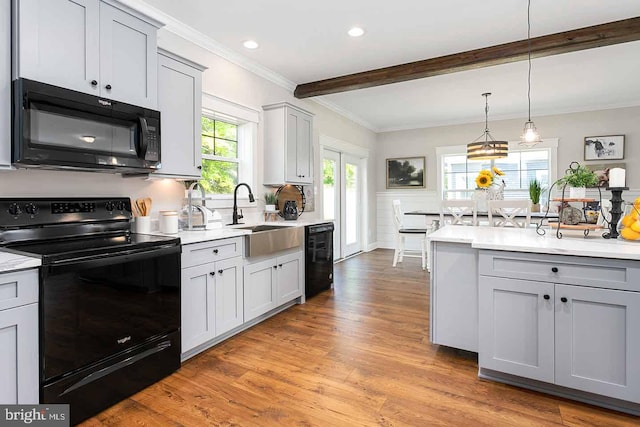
(358, 355)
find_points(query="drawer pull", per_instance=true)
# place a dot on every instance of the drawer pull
(554, 269)
(563, 299)
(215, 251)
(546, 296)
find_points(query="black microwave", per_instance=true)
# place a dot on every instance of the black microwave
(58, 128)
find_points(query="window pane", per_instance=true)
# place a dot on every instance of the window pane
(207, 144)
(219, 177)
(207, 126)
(226, 131)
(226, 148)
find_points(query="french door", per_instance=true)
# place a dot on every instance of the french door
(342, 200)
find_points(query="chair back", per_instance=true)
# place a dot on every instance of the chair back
(397, 214)
(515, 213)
(457, 210)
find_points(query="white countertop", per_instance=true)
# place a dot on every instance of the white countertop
(527, 240)
(198, 236)
(11, 262)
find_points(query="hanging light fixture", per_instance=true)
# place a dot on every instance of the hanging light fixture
(530, 136)
(485, 147)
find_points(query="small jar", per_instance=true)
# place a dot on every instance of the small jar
(169, 222)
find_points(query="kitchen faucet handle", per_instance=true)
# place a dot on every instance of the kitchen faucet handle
(240, 214)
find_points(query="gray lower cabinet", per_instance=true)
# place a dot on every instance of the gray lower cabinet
(454, 293)
(516, 327)
(580, 337)
(222, 292)
(597, 341)
(19, 361)
(272, 282)
(212, 300)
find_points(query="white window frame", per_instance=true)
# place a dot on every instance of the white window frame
(550, 144)
(247, 120)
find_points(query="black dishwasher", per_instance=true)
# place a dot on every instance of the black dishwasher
(318, 258)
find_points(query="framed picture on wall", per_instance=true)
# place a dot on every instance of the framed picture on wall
(406, 172)
(610, 147)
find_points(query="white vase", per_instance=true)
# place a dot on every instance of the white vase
(577, 192)
(480, 197)
(270, 208)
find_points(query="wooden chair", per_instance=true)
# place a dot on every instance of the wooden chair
(402, 233)
(502, 213)
(457, 210)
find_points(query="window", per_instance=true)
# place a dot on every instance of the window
(220, 161)
(229, 133)
(457, 174)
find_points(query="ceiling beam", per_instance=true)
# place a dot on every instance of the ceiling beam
(607, 34)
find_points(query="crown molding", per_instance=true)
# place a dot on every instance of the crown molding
(188, 33)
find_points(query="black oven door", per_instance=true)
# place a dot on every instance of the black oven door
(95, 308)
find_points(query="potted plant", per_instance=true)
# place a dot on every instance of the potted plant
(578, 178)
(270, 201)
(535, 191)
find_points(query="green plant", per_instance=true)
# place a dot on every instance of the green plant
(535, 191)
(579, 176)
(270, 198)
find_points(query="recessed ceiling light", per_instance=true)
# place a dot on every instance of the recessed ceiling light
(356, 32)
(250, 44)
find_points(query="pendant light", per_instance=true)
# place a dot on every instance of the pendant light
(530, 136)
(488, 148)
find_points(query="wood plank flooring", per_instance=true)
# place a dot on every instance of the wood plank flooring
(358, 355)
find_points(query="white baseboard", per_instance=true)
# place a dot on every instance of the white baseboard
(371, 247)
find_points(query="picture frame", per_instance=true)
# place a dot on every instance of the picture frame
(607, 147)
(406, 172)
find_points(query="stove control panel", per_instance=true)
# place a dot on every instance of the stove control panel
(40, 211)
(72, 207)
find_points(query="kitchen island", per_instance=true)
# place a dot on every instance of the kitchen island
(555, 315)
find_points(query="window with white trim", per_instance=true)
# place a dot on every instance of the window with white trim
(457, 174)
(228, 135)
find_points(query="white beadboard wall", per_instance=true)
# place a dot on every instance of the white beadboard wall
(430, 200)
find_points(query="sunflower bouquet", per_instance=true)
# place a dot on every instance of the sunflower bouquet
(488, 177)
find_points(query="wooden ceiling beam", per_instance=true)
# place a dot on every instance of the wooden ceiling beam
(607, 34)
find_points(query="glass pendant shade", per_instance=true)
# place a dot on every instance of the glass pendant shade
(530, 136)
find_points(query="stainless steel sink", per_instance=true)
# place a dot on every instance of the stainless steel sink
(269, 239)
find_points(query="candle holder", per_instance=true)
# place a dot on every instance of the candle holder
(616, 211)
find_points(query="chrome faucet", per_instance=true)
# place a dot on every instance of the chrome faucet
(190, 204)
(236, 215)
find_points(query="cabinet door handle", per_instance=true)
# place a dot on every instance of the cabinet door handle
(215, 251)
(220, 271)
(200, 167)
(94, 83)
(546, 297)
(213, 273)
(275, 266)
(563, 299)
(279, 265)
(108, 87)
(554, 269)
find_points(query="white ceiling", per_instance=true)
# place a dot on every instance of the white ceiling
(305, 41)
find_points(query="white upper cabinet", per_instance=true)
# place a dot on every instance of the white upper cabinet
(89, 46)
(288, 145)
(180, 103)
(5, 84)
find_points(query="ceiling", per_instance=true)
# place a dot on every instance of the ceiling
(306, 41)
